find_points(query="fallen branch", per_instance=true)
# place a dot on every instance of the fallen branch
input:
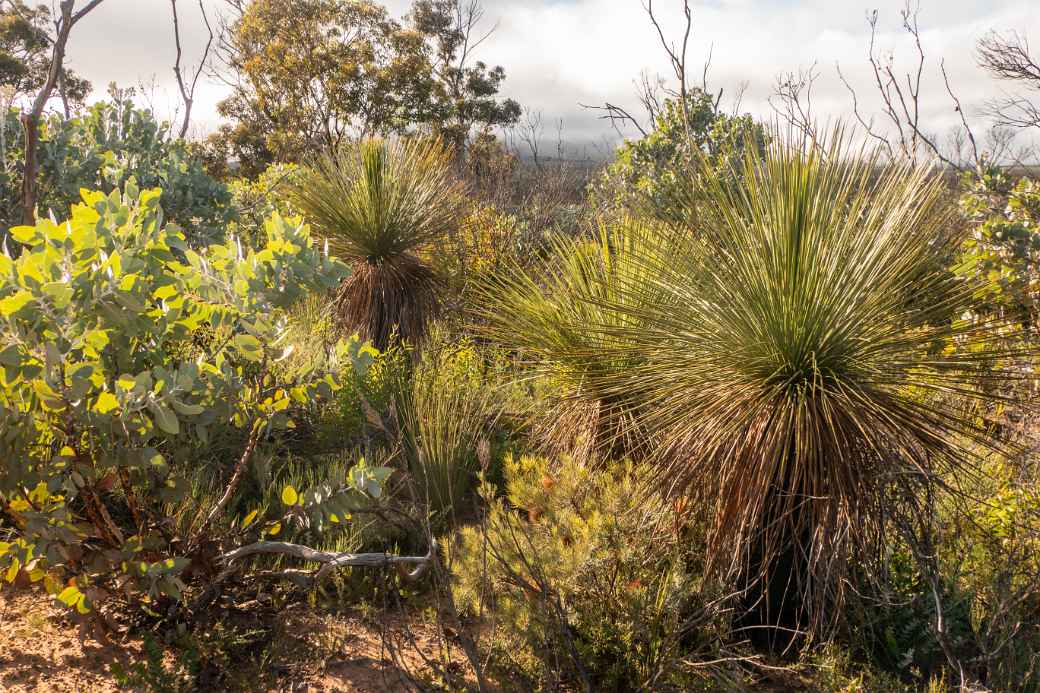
(332, 561)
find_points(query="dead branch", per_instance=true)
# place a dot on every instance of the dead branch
(187, 89)
(677, 57)
(530, 131)
(617, 116)
(1007, 57)
(792, 98)
(649, 91)
(960, 111)
(236, 478)
(332, 561)
(900, 96)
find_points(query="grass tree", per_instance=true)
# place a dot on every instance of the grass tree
(380, 204)
(811, 356)
(568, 308)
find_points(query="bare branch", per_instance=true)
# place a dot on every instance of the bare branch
(530, 131)
(188, 90)
(85, 11)
(791, 100)
(868, 126)
(332, 561)
(964, 120)
(1007, 57)
(617, 116)
(901, 97)
(678, 58)
(236, 477)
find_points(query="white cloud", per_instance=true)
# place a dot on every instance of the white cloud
(559, 53)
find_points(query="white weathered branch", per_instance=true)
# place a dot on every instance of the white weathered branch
(331, 561)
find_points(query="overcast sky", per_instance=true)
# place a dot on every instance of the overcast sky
(561, 53)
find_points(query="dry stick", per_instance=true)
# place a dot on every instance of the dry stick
(236, 478)
(131, 500)
(960, 111)
(93, 505)
(188, 93)
(677, 57)
(304, 578)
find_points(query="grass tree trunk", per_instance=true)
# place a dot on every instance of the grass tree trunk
(778, 571)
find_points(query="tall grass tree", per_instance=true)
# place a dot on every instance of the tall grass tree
(812, 359)
(380, 204)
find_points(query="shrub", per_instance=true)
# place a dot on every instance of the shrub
(991, 555)
(255, 201)
(658, 174)
(101, 149)
(96, 408)
(1004, 245)
(374, 390)
(582, 579)
(485, 243)
(893, 625)
(446, 416)
(378, 203)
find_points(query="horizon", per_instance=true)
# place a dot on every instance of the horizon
(557, 56)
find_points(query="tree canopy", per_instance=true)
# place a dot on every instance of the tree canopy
(25, 53)
(307, 74)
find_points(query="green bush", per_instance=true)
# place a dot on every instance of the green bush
(1005, 242)
(373, 390)
(101, 149)
(580, 576)
(893, 625)
(254, 201)
(991, 555)
(97, 410)
(659, 174)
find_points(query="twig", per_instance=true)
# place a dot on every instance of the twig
(188, 92)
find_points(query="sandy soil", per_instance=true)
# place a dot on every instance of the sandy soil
(41, 651)
(312, 652)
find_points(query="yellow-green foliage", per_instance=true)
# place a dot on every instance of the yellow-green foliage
(487, 238)
(373, 388)
(583, 573)
(94, 317)
(993, 554)
(256, 200)
(447, 412)
(565, 317)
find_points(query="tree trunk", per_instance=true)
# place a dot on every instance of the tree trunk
(31, 120)
(779, 613)
(31, 127)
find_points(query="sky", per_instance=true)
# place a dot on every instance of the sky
(559, 54)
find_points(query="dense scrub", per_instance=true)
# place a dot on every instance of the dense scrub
(736, 411)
